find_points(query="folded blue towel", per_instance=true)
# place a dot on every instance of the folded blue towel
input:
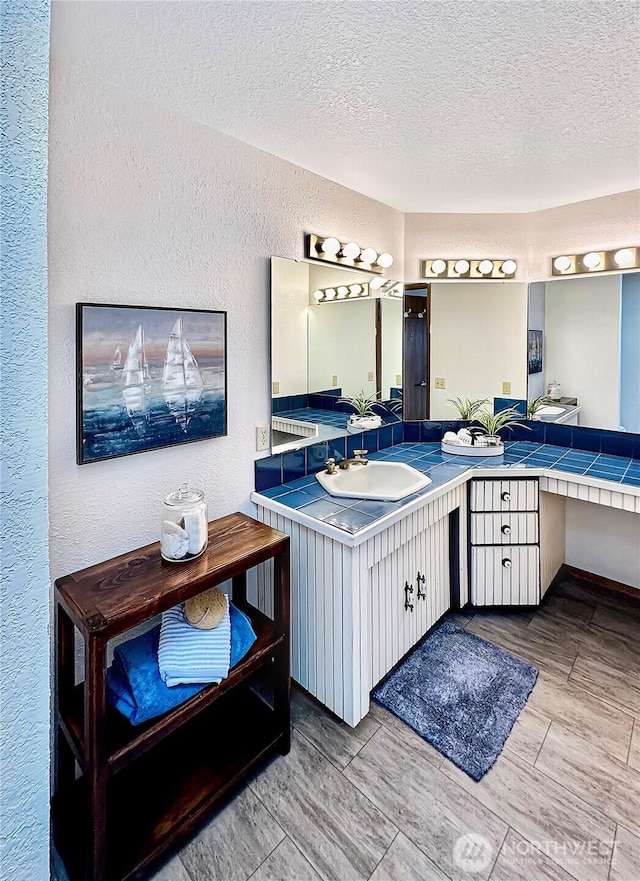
(134, 685)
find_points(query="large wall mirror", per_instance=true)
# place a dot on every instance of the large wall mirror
(502, 339)
(590, 335)
(346, 343)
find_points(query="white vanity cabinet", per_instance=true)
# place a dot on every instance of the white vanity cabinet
(351, 617)
(516, 537)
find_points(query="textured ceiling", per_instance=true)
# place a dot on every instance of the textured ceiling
(477, 106)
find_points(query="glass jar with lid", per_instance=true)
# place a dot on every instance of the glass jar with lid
(184, 529)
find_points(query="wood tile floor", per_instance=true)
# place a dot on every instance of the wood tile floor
(377, 803)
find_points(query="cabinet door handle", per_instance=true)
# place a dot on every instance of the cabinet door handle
(506, 529)
(421, 579)
(408, 588)
(505, 496)
(506, 563)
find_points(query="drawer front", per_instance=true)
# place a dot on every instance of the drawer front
(505, 576)
(504, 495)
(504, 529)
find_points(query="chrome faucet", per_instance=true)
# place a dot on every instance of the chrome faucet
(357, 460)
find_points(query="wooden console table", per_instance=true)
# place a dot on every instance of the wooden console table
(143, 790)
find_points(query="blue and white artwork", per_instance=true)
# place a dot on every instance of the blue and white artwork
(534, 352)
(148, 378)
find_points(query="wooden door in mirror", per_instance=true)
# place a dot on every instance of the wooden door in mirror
(415, 368)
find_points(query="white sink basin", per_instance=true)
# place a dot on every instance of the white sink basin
(549, 411)
(384, 481)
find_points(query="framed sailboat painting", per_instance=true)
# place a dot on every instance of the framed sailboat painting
(148, 378)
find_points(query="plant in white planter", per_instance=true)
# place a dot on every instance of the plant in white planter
(368, 410)
(534, 404)
(495, 422)
(467, 408)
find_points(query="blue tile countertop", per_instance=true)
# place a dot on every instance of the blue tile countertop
(307, 496)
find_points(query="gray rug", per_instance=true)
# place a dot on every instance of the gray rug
(459, 693)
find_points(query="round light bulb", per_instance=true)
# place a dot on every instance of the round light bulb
(376, 283)
(509, 267)
(319, 295)
(624, 257)
(356, 289)
(438, 266)
(461, 266)
(351, 250)
(369, 256)
(343, 290)
(591, 260)
(561, 264)
(385, 260)
(330, 246)
(330, 293)
(485, 266)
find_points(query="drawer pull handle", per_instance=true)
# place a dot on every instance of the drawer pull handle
(506, 563)
(505, 530)
(505, 496)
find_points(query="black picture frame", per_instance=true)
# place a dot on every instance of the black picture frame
(148, 377)
(534, 351)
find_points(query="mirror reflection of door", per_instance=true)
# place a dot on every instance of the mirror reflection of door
(415, 399)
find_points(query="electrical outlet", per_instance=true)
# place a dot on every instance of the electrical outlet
(440, 382)
(370, 376)
(276, 388)
(398, 379)
(506, 388)
(334, 380)
(262, 438)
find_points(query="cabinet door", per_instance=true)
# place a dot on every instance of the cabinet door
(422, 563)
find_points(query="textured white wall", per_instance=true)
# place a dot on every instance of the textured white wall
(24, 597)
(148, 207)
(531, 239)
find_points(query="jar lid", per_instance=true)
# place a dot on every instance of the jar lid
(184, 495)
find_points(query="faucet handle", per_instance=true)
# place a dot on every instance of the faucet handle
(360, 453)
(330, 466)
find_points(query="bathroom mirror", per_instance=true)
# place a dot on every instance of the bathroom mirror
(344, 344)
(591, 346)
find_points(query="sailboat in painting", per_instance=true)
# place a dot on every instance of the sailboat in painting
(136, 383)
(182, 383)
(116, 364)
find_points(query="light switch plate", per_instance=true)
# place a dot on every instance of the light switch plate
(334, 380)
(506, 388)
(370, 376)
(276, 388)
(398, 379)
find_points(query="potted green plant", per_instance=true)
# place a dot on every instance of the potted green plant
(467, 408)
(495, 422)
(534, 404)
(368, 411)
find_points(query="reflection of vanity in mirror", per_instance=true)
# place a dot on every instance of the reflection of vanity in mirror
(347, 342)
(478, 341)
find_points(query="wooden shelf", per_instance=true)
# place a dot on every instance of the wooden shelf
(159, 800)
(145, 788)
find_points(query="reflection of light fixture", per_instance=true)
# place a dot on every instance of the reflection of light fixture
(332, 250)
(597, 261)
(592, 260)
(376, 283)
(341, 293)
(473, 269)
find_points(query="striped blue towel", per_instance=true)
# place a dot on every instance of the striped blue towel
(187, 655)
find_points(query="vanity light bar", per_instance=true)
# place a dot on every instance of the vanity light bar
(467, 268)
(332, 250)
(341, 292)
(596, 261)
